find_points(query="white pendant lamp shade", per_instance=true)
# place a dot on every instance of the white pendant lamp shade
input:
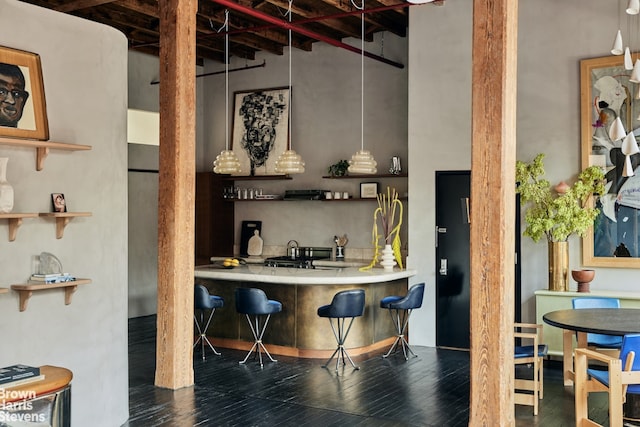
(616, 131)
(629, 147)
(617, 48)
(362, 162)
(628, 62)
(634, 7)
(289, 162)
(226, 162)
(635, 74)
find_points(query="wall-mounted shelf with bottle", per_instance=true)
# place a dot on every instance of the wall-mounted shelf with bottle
(42, 147)
(26, 290)
(15, 220)
(62, 219)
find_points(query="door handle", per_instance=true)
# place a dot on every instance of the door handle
(442, 230)
(443, 267)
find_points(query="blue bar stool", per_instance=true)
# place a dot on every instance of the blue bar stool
(254, 302)
(345, 304)
(400, 309)
(203, 301)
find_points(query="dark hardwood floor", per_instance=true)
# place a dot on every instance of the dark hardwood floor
(430, 390)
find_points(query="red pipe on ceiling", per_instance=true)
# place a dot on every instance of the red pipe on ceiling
(300, 30)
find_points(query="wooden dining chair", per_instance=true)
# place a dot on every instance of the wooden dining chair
(529, 350)
(622, 376)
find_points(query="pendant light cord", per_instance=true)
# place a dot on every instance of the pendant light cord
(225, 27)
(361, 72)
(290, 96)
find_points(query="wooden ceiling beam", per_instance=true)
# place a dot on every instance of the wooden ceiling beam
(71, 6)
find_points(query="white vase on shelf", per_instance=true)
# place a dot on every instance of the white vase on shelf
(6, 190)
(388, 260)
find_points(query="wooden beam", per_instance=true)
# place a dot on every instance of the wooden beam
(71, 6)
(493, 154)
(176, 216)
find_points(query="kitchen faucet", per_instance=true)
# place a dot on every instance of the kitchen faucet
(292, 249)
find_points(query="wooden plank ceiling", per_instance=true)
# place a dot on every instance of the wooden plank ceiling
(331, 19)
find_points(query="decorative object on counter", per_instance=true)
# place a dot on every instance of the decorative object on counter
(338, 169)
(362, 161)
(6, 190)
(226, 161)
(289, 162)
(341, 242)
(584, 278)
(247, 231)
(387, 222)
(395, 168)
(254, 247)
(557, 216)
(368, 190)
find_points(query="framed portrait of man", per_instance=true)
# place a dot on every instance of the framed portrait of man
(23, 112)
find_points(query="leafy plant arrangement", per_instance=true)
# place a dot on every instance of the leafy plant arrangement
(557, 214)
(387, 221)
(339, 168)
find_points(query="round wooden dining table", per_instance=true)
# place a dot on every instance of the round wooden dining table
(608, 321)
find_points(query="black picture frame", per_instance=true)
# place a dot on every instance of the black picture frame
(58, 202)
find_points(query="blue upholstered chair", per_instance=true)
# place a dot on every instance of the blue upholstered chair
(622, 377)
(203, 301)
(400, 309)
(345, 305)
(530, 351)
(599, 340)
(253, 302)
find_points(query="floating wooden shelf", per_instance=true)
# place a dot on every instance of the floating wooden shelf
(26, 290)
(62, 219)
(15, 221)
(379, 175)
(4, 290)
(255, 177)
(42, 147)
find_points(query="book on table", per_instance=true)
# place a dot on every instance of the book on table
(18, 374)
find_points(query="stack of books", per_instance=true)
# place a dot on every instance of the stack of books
(15, 375)
(52, 278)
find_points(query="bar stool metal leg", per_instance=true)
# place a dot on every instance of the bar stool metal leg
(341, 336)
(400, 321)
(258, 332)
(202, 332)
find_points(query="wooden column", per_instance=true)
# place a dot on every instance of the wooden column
(492, 211)
(174, 362)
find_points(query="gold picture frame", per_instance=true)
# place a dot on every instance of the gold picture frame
(23, 110)
(606, 94)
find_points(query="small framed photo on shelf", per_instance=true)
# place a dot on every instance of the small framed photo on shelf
(368, 190)
(58, 202)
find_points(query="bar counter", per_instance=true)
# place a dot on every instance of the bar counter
(297, 330)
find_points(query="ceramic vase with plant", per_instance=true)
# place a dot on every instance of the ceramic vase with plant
(557, 212)
(387, 221)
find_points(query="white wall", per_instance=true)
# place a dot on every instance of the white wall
(85, 79)
(326, 112)
(552, 38)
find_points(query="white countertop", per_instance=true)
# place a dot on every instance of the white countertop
(301, 276)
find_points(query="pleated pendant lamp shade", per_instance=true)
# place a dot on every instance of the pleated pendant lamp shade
(226, 162)
(289, 162)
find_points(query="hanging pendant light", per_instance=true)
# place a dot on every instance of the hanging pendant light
(362, 161)
(617, 48)
(289, 161)
(226, 162)
(629, 148)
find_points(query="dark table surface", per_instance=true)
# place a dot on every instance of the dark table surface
(608, 321)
